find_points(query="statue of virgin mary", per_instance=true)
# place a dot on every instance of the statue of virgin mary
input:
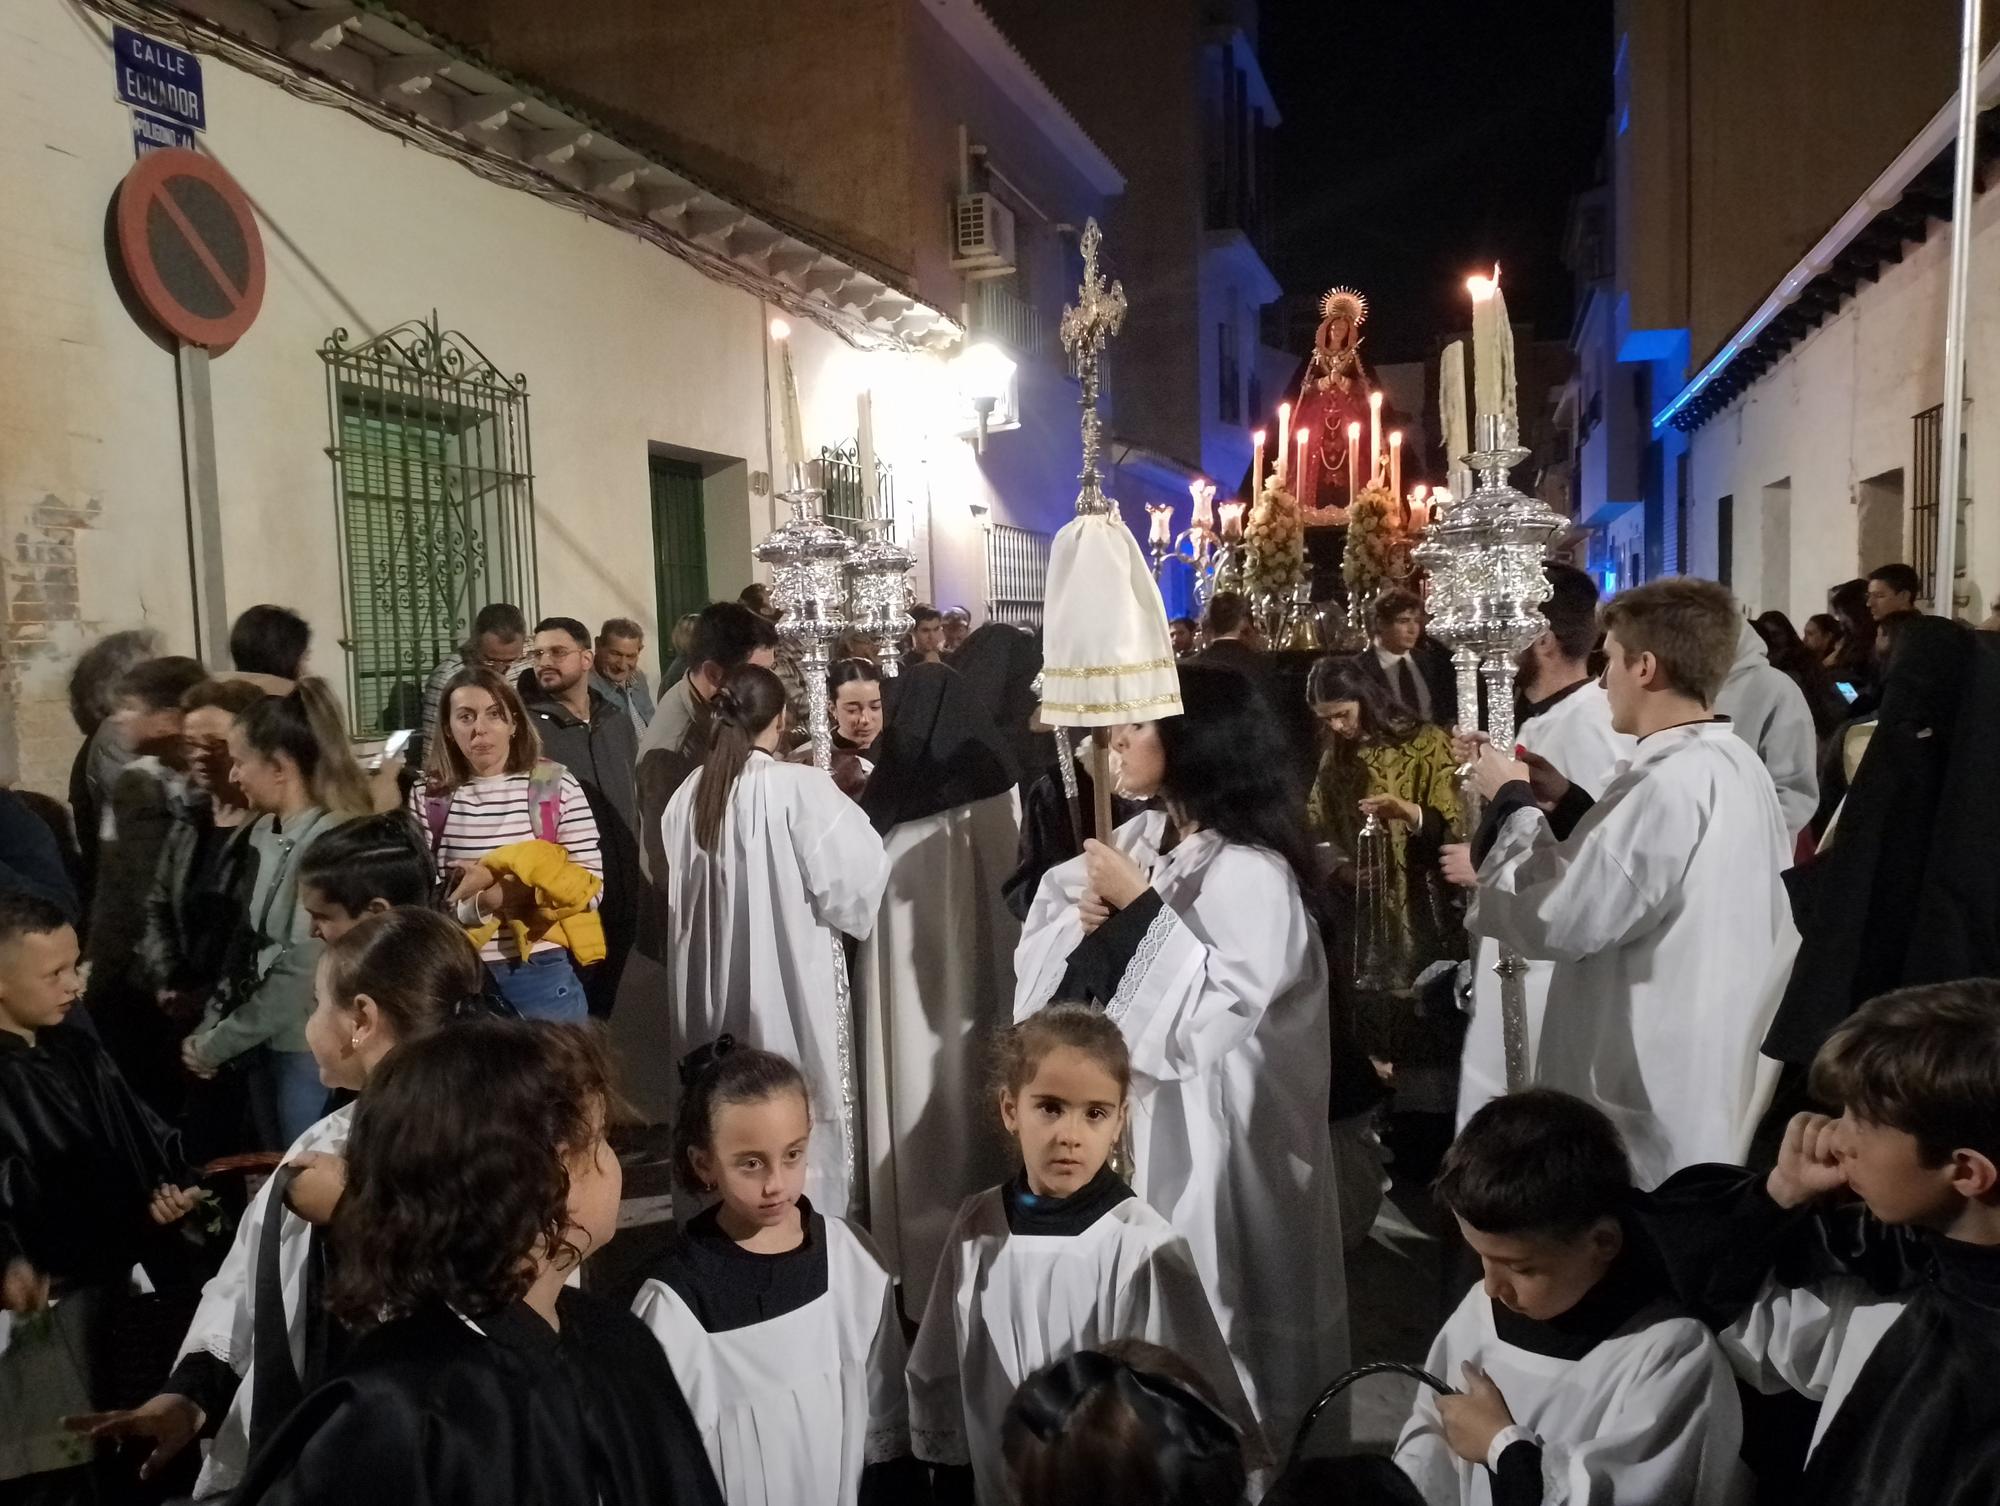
(1332, 394)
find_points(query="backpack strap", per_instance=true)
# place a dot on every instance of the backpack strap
(437, 811)
(545, 796)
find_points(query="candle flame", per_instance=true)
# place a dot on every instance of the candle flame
(780, 330)
(1353, 431)
(1482, 287)
(1395, 438)
(1257, 436)
(1375, 399)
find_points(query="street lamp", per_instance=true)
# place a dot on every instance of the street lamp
(984, 373)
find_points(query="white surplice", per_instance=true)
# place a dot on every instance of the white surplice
(1649, 1417)
(792, 1409)
(1671, 935)
(936, 981)
(1576, 736)
(753, 929)
(225, 1320)
(1224, 1007)
(1005, 1304)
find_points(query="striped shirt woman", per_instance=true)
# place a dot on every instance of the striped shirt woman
(479, 793)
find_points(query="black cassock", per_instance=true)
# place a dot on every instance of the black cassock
(1922, 1423)
(80, 1157)
(429, 1411)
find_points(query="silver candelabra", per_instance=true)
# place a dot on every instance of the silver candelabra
(809, 560)
(1487, 587)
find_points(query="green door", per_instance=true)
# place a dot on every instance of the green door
(680, 543)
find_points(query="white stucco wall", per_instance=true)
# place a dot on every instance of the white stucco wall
(1836, 412)
(623, 346)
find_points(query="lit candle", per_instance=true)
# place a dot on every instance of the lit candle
(1284, 423)
(1395, 462)
(1353, 459)
(1257, 461)
(1487, 359)
(1374, 436)
(1451, 405)
(1419, 513)
(1163, 524)
(1302, 479)
(1232, 521)
(1203, 492)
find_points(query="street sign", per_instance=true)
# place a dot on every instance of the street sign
(159, 79)
(189, 241)
(152, 134)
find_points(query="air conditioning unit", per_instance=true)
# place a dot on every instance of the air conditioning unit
(982, 234)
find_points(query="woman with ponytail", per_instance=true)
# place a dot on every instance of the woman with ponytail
(395, 976)
(300, 780)
(767, 864)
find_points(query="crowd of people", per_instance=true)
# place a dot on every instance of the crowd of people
(1014, 1161)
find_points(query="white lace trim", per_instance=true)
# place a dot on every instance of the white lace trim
(940, 1446)
(886, 1443)
(1143, 958)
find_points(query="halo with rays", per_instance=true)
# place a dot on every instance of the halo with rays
(1345, 300)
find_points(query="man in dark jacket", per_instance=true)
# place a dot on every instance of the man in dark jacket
(596, 740)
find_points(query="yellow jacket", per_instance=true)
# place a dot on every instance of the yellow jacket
(563, 892)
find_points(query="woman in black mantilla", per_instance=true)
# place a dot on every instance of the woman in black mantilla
(936, 977)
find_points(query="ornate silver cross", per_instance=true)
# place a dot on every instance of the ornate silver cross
(1087, 325)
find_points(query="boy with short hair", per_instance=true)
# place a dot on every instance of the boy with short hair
(89, 1176)
(1582, 1379)
(1885, 1311)
(1659, 902)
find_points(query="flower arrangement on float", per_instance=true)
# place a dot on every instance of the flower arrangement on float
(1377, 553)
(1274, 544)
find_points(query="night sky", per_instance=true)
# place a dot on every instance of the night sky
(1422, 138)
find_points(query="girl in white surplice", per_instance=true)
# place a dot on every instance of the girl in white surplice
(779, 1320)
(1060, 1258)
(767, 862)
(1195, 929)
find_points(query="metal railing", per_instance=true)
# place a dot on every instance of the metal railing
(1014, 321)
(433, 484)
(1017, 575)
(1926, 466)
(846, 498)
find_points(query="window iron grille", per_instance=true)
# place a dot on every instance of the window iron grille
(846, 498)
(1017, 575)
(433, 486)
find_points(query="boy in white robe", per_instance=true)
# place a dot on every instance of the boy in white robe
(1564, 718)
(1660, 904)
(1581, 1379)
(1886, 1312)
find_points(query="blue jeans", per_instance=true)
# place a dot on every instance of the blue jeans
(286, 1096)
(545, 987)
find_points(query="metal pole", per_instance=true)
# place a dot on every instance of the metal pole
(204, 504)
(1950, 480)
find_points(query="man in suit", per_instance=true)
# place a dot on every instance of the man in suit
(1231, 635)
(1414, 669)
(1233, 638)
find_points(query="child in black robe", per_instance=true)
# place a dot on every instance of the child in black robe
(478, 1178)
(89, 1179)
(1885, 1310)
